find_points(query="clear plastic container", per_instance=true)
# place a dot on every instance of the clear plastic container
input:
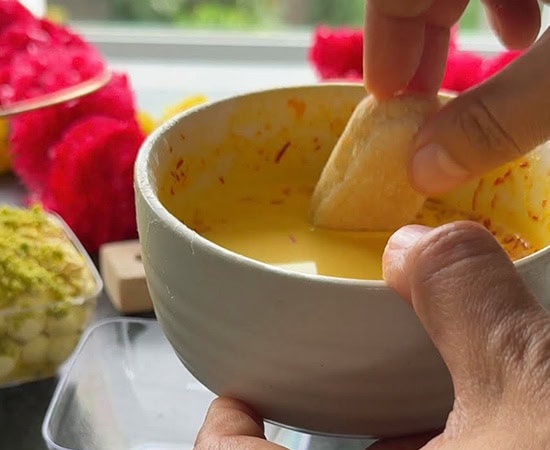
(125, 389)
(36, 340)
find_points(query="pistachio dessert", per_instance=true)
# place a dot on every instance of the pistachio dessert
(46, 293)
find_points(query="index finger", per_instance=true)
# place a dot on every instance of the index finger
(406, 44)
(392, 49)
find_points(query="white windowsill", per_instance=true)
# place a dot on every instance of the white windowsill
(123, 41)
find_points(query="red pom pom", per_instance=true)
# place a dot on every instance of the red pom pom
(115, 100)
(13, 11)
(32, 135)
(337, 53)
(38, 56)
(463, 70)
(76, 158)
(91, 183)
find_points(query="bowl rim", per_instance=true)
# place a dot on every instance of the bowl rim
(143, 185)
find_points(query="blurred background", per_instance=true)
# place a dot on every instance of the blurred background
(231, 14)
(173, 48)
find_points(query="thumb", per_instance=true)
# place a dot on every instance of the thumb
(493, 123)
(232, 425)
(471, 301)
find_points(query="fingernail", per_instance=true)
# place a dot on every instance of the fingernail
(434, 171)
(395, 257)
(406, 237)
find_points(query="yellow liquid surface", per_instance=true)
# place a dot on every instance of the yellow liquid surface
(269, 222)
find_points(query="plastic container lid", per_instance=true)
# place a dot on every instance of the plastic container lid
(125, 389)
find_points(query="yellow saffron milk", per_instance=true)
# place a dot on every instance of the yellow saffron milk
(269, 222)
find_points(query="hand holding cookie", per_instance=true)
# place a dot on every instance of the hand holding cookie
(406, 44)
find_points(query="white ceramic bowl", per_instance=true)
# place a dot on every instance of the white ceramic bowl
(316, 353)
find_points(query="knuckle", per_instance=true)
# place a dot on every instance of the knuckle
(485, 133)
(452, 260)
(454, 245)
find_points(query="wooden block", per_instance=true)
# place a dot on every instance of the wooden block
(124, 277)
